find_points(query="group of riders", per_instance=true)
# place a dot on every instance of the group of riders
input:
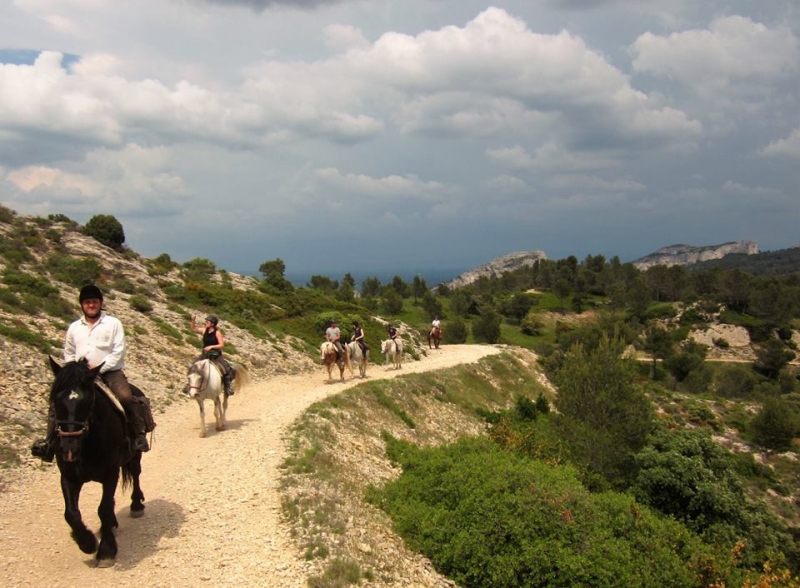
(334, 335)
(99, 339)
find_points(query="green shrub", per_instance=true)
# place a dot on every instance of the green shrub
(735, 381)
(76, 272)
(456, 332)
(487, 326)
(488, 518)
(140, 303)
(6, 215)
(105, 229)
(776, 425)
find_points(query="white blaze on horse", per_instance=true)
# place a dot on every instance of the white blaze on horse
(393, 350)
(328, 354)
(356, 355)
(205, 383)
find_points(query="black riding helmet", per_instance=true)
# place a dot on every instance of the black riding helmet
(89, 292)
(212, 319)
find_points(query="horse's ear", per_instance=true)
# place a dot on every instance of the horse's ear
(54, 366)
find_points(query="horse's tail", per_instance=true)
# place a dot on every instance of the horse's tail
(127, 476)
(242, 378)
(346, 355)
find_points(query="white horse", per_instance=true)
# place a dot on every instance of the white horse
(205, 383)
(356, 355)
(393, 350)
(327, 352)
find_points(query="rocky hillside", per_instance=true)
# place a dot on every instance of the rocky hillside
(497, 267)
(682, 254)
(160, 343)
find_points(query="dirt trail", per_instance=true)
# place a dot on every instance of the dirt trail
(213, 506)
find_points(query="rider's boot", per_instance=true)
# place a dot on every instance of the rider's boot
(226, 381)
(134, 412)
(45, 449)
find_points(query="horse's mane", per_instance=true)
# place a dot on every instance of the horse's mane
(73, 374)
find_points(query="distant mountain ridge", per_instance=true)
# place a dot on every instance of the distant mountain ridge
(682, 254)
(497, 267)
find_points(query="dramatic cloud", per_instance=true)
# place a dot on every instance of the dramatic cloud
(562, 125)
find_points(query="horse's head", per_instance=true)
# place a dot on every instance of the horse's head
(198, 377)
(73, 399)
(326, 349)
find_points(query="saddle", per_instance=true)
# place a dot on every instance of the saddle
(138, 396)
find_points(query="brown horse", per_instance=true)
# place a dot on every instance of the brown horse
(328, 355)
(434, 337)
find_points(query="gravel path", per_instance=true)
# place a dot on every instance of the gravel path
(213, 505)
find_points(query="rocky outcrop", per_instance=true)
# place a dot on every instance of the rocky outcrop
(497, 267)
(682, 254)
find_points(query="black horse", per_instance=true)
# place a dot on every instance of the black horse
(92, 447)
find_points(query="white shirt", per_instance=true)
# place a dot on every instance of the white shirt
(435, 324)
(103, 342)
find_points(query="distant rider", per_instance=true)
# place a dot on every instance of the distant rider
(358, 337)
(393, 337)
(334, 335)
(213, 342)
(436, 325)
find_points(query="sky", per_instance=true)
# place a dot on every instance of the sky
(356, 135)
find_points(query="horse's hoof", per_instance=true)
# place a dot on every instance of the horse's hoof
(106, 563)
(137, 514)
(202, 435)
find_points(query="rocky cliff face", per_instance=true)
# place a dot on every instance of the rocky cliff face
(682, 254)
(497, 267)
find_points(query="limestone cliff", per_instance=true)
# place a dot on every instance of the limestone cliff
(682, 254)
(497, 267)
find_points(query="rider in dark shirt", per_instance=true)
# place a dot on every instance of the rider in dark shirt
(213, 342)
(358, 337)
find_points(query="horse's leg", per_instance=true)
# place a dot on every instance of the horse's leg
(202, 416)
(134, 469)
(107, 551)
(218, 413)
(85, 539)
(224, 411)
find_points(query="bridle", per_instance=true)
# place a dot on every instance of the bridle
(204, 377)
(82, 426)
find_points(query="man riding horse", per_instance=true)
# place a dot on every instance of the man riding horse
(99, 338)
(334, 335)
(436, 326)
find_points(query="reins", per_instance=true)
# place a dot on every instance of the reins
(203, 378)
(83, 426)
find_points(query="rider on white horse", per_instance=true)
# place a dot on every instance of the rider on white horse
(213, 342)
(334, 335)
(358, 337)
(393, 336)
